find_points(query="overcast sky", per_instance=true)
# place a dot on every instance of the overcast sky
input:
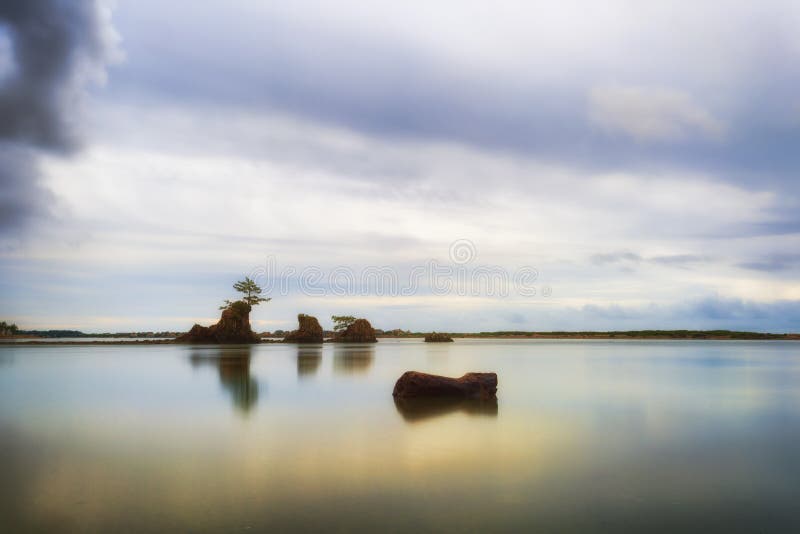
(643, 157)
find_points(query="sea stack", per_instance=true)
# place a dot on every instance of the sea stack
(360, 331)
(233, 327)
(308, 330)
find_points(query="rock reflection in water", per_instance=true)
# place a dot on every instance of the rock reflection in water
(417, 409)
(309, 358)
(353, 358)
(233, 366)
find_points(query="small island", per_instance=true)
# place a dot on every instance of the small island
(435, 337)
(351, 330)
(234, 324)
(308, 331)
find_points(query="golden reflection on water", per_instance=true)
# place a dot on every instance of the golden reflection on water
(134, 441)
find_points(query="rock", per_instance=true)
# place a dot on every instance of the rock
(308, 330)
(469, 386)
(232, 327)
(433, 337)
(358, 332)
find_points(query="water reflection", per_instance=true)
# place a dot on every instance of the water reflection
(130, 439)
(309, 358)
(414, 410)
(352, 359)
(233, 366)
(437, 353)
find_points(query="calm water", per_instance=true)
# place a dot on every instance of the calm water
(586, 436)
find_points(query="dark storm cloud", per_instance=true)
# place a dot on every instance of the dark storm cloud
(57, 45)
(21, 198)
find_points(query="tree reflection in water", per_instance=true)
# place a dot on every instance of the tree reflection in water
(353, 358)
(233, 366)
(309, 358)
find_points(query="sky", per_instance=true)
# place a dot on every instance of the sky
(612, 165)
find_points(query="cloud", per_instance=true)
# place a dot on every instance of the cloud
(21, 196)
(519, 85)
(378, 134)
(674, 260)
(615, 257)
(711, 312)
(773, 263)
(679, 260)
(55, 49)
(651, 114)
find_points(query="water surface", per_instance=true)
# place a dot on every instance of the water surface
(586, 436)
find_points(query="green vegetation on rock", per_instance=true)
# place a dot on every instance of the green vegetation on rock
(7, 329)
(251, 291)
(341, 322)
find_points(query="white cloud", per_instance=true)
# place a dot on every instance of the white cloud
(190, 193)
(349, 134)
(652, 114)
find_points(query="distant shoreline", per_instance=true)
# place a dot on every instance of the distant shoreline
(644, 334)
(655, 335)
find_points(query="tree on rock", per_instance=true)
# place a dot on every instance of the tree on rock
(358, 331)
(8, 329)
(234, 322)
(251, 291)
(341, 322)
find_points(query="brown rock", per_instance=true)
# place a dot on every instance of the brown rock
(358, 332)
(308, 330)
(232, 327)
(469, 386)
(434, 337)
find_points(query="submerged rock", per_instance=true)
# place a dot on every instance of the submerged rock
(434, 337)
(233, 327)
(308, 330)
(360, 331)
(469, 386)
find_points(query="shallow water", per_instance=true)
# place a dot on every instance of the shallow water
(586, 436)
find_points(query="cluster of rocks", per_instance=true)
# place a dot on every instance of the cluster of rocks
(233, 327)
(310, 331)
